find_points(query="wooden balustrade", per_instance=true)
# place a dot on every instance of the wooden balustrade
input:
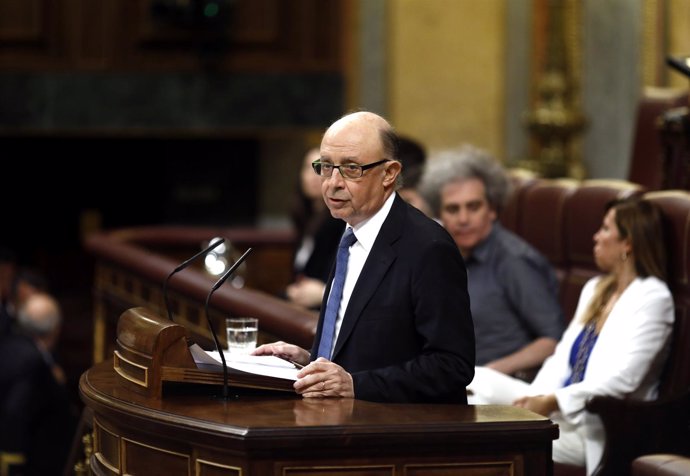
(132, 265)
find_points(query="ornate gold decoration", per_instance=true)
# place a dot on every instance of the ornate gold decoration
(556, 119)
(83, 467)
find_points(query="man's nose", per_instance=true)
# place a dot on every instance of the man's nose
(336, 176)
(463, 215)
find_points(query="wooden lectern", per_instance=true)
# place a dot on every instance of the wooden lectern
(151, 350)
(141, 430)
(185, 434)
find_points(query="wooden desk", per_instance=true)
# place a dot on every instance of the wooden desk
(188, 432)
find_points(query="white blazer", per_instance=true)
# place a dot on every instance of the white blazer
(626, 360)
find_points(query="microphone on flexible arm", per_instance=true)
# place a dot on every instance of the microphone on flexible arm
(183, 266)
(218, 284)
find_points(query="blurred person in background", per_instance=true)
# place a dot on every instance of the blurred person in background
(37, 421)
(412, 156)
(513, 288)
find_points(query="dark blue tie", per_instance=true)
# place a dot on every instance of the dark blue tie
(331, 314)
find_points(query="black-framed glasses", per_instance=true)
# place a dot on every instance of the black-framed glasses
(349, 171)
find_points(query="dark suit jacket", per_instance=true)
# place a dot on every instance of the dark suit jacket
(35, 415)
(407, 334)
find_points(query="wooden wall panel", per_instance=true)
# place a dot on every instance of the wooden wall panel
(168, 35)
(21, 21)
(90, 34)
(30, 33)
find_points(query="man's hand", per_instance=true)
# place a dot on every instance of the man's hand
(285, 351)
(323, 378)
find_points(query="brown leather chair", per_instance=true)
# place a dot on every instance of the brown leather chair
(647, 161)
(675, 205)
(541, 222)
(521, 180)
(661, 465)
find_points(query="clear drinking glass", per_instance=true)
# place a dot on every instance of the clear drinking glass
(242, 333)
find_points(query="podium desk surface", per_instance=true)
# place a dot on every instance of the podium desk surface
(253, 425)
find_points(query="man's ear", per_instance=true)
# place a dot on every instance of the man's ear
(392, 170)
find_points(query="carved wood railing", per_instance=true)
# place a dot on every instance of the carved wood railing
(132, 265)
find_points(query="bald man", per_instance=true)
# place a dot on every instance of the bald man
(40, 318)
(36, 420)
(403, 330)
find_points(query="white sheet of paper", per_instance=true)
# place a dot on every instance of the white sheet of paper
(493, 387)
(200, 356)
(267, 365)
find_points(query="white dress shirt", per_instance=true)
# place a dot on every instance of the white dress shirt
(366, 233)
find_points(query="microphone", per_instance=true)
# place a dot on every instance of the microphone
(218, 284)
(180, 268)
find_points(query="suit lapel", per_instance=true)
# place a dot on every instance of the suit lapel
(380, 259)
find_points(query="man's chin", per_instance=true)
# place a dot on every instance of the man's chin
(339, 213)
(466, 245)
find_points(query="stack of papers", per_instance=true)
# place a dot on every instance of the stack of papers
(265, 365)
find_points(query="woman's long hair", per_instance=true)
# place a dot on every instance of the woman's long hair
(640, 221)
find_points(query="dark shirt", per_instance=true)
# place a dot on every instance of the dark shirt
(513, 295)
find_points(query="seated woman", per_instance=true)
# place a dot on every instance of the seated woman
(615, 345)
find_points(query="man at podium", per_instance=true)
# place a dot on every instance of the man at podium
(395, 323)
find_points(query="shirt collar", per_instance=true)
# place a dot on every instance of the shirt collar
(367, 231)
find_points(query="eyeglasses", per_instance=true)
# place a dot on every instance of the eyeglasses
(348, 171)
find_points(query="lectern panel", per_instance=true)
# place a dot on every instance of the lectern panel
(137, 457)
(489, 468)
(107, 448)
(209, 468)
(342, 470)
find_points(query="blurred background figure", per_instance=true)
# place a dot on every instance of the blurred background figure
(318, 237)
(413, 157)
(513, 288)
(27, 282)
(37, 422)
